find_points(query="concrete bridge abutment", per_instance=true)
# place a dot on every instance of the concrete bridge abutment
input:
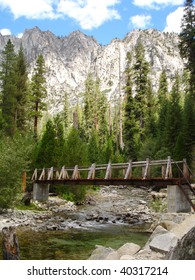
(176, 200)
(40, 192)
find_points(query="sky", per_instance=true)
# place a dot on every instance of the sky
(102, 19)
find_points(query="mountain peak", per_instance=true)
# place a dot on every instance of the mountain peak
(70, 59)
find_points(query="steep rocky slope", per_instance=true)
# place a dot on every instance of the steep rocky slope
(69, 60)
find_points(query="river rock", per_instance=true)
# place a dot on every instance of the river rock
(128, 249)
(185, 248)
(164, 242)
(100, 253)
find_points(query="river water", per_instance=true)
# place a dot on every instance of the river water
(74, 244)
(90, 225)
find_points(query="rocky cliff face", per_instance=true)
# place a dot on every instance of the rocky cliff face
(70, 59)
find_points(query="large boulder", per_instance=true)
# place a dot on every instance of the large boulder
(185, 248)
(164, 242)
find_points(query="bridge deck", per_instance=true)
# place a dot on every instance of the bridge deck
(161, 182)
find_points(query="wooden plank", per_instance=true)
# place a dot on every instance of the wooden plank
(108, 171)
(42, 176)
(169, 169)
(116, 181)
(76, 173)
(129, 171)
(50, 174)
(63, 174)
(186, 172)
(91, 174)
(146, 173)
(163, 171)
(34, 176)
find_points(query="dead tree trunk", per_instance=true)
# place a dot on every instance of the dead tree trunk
(10, 244)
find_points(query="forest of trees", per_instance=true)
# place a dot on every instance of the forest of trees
(150, 124)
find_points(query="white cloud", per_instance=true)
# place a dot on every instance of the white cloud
(89, 13)
(173, 21)
(5, 31)
(156, 4)
(36, 9)
(140, 21)
(20, 35)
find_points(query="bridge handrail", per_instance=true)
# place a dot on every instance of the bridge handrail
(62, 173)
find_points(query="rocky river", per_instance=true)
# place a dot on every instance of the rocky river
(121, 214)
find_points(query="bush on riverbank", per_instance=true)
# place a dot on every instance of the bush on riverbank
(14, 158)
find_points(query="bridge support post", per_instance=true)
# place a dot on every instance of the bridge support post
(176, 199)
(40, 192)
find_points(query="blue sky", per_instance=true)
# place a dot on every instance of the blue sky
(102, 19)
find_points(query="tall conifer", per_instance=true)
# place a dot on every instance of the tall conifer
(39, 92)
(8, 79)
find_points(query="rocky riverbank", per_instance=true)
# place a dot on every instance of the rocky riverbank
(109, 205)
(177, 243)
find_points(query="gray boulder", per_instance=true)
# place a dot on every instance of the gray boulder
(185, 248)
(164, 242)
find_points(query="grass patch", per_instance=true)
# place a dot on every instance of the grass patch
(31, 206)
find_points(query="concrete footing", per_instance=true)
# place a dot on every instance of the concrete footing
(40, 192)
(176, 200)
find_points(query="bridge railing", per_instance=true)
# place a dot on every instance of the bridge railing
(145, 169)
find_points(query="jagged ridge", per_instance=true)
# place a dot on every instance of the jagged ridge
(69, 59)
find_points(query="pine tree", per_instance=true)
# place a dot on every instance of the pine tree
(174, 117)
(22, 90)
(140, 78)
(130, 125)
(187, 40)
(188, 128)
(187, 50)
(75, 150)
(45, 154)
(95, 107)
(151, 112)
(162, 101)
(59, 141)
(39, 92)
(94, 153)
(8, 79)
(163, 88)
(66, 111)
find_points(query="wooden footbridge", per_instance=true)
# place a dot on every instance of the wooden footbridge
(160, 173)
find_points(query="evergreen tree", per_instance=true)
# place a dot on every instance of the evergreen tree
(187, 50)
(15, 157)
(188, 128)
(8, 79)
(39, 92)
(45, 154)
(174, 117)
(22, 90)
(187, 40)
(75, 150)
(59, 141)
(162, 101)
(95, 107)
(66, 112)
(151, 112)
(140, 77)
(163, 88)
(130, 125)
(94, 153)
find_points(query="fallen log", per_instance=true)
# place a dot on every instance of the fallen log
(10, 244)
